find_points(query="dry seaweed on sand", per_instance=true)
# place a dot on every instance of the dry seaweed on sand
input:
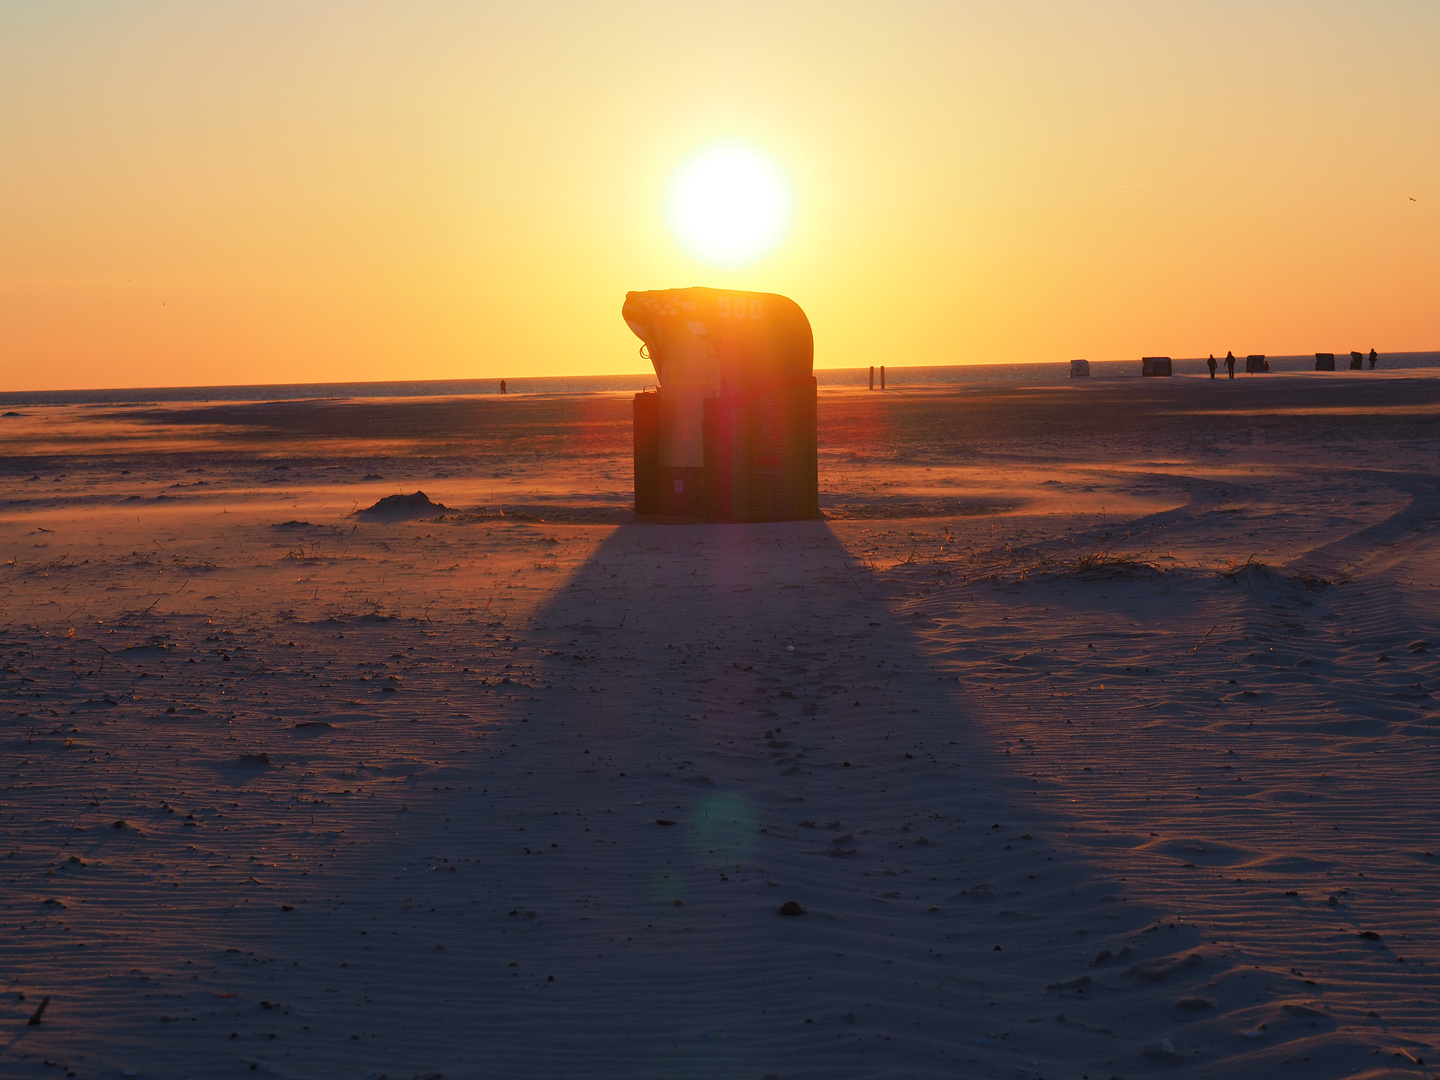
(891, 509)
(1103, 564)
(1252, 571)
(1011, 565)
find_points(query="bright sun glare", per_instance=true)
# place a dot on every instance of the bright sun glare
(729, 205)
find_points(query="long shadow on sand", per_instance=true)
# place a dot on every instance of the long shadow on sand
(729, 721)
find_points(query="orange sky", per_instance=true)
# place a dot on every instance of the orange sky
(265, 192)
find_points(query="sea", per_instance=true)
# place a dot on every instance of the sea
(1034, 374)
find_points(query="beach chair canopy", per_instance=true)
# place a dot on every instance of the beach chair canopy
(732, 341)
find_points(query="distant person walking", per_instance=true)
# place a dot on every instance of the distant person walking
(1212, 365)
(1373, 358)
(1230, 363)
(502, 386)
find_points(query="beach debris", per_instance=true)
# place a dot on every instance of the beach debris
(402, 508)
(790, 907)
(1194, 1004)
(1158, 970)
(34, 1020)
(1163, 1051)
(256, 759)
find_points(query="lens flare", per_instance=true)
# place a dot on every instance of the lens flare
(729, 205)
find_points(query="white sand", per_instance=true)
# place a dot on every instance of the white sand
(980, 725)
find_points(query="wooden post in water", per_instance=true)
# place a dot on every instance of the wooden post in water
(882, 376)
(872, 376)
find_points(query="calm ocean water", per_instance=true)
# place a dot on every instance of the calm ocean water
(1033, 374)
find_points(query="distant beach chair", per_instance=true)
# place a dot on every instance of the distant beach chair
(1357, 361)
(1155, 365)
(1324, 361)
(1255, 363)
(1079, 369)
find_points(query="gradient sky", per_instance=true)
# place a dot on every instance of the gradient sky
(207, 193)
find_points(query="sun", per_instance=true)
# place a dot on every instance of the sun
(729, 205)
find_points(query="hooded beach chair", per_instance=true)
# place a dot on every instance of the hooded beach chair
(729, 433)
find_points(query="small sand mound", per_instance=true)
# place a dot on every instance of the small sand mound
(402, 508)
(1254, 572)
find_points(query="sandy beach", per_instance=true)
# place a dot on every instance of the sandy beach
(1094, 733)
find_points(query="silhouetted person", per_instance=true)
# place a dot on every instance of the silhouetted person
(502, 386)
(1230, 363)
(1212, 365)
(1373, 358)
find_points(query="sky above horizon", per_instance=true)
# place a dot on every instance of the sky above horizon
(261, 192)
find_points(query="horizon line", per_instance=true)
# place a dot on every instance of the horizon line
(521, 379)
